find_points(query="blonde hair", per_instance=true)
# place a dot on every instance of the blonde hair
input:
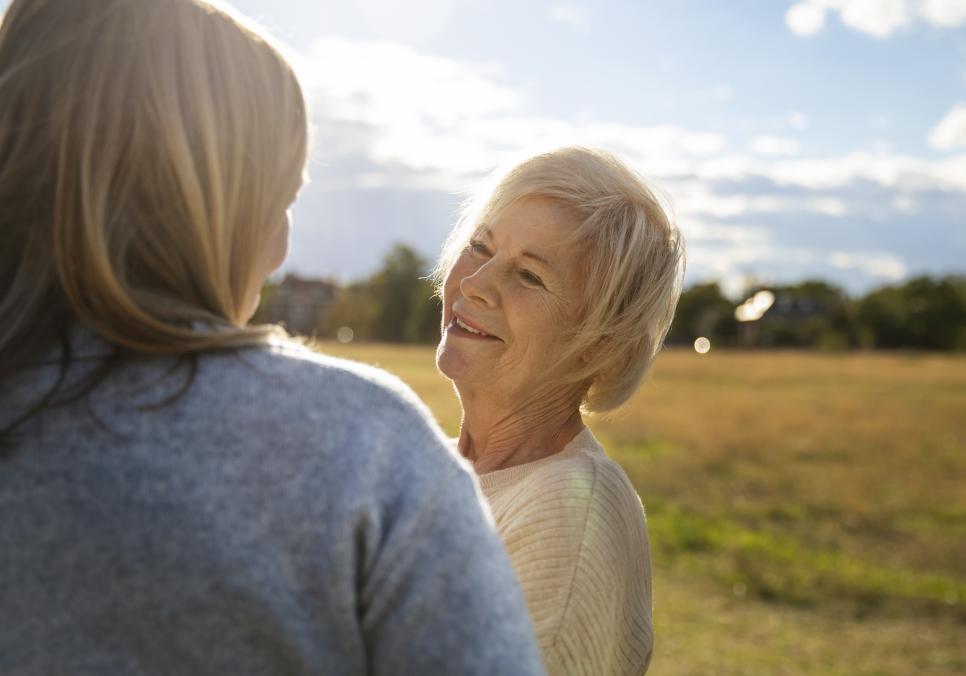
(631, 263)
(148, 152)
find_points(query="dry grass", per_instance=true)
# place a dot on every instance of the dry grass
(807, 512)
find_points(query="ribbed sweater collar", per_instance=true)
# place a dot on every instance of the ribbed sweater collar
(499, 479)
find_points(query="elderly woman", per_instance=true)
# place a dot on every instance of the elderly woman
(558, 288)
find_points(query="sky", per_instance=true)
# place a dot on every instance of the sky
(793, 139)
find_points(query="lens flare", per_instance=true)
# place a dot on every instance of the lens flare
(755, 307)
(702, 345)
(345, 334)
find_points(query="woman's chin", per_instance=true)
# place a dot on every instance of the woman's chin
(452, 362)
(446, 361)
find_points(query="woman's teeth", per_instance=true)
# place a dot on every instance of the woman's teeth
(469, 328)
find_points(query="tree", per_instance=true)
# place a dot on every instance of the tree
(812, 313)
(397, 304)
(356, 307)
(922, 313)
(398, 288)
(703, 311)
(425, 310)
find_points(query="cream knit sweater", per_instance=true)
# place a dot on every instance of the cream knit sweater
(575, 532)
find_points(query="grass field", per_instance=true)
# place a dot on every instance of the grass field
(807, 512)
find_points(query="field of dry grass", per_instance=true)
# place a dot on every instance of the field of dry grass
(807, 512)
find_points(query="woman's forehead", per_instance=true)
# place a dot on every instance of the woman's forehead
(533, 218)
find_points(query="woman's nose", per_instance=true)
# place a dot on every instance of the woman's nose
(481, 285)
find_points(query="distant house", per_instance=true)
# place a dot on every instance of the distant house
(783, 317)
(299, 303)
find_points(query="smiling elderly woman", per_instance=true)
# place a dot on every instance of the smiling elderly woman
(558, 287)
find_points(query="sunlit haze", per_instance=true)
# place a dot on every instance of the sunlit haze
(822, 138)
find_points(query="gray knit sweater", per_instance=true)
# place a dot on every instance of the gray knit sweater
(288, 514)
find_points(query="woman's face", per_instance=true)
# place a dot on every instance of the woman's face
(509, 302)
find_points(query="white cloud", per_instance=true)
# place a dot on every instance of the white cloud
(420, 127)
(886, 170)
(575, 16)
(413, 21)
(905, 204)
(775, 145)
(875, 17)
(696, 200)
(950, 132)
(879, 18)
(451, 120)
(882, 265)
(805, 18)
(947, 13)
(696, 230)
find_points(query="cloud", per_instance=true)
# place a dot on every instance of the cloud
(875, 17)
(399, 134)
(805, 18)
(575, 16)
(946, 13)
(885, 266)
(950, 132)
(697, 198)
(413, 21)
(450, 121)
(879, 18)
(774, 145)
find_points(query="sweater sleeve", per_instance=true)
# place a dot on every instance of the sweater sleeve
(581, 552)
(441, 597)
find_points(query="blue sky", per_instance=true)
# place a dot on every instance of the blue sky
(811, 138)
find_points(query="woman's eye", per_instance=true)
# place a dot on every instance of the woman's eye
(478, 248)
(530, 278)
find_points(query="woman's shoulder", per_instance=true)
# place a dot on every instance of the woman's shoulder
(583, 470)
(579, 489)
(577, 537)
(291, 377)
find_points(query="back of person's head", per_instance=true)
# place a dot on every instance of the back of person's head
(148, 152)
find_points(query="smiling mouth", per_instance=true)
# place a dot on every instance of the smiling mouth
(460, 328)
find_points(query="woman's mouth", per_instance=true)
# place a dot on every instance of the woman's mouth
(460, 328)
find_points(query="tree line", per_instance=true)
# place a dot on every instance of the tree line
(922, 313)
(397, 304)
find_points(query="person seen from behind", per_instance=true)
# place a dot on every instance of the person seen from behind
(182, 492)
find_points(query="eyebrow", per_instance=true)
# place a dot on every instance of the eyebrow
(485, 232)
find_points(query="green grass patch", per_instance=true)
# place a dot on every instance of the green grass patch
(779, 568)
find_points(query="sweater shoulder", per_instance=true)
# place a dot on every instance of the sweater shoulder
(300, 372)
(576, 533)
(582, 498)
(582, 480)
(315, 401)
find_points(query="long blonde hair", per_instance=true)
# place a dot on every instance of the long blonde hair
(148, 151)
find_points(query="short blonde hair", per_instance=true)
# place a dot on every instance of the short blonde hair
(148, 151)
(631, 258)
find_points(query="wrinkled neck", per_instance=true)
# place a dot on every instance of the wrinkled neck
(496, 434)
